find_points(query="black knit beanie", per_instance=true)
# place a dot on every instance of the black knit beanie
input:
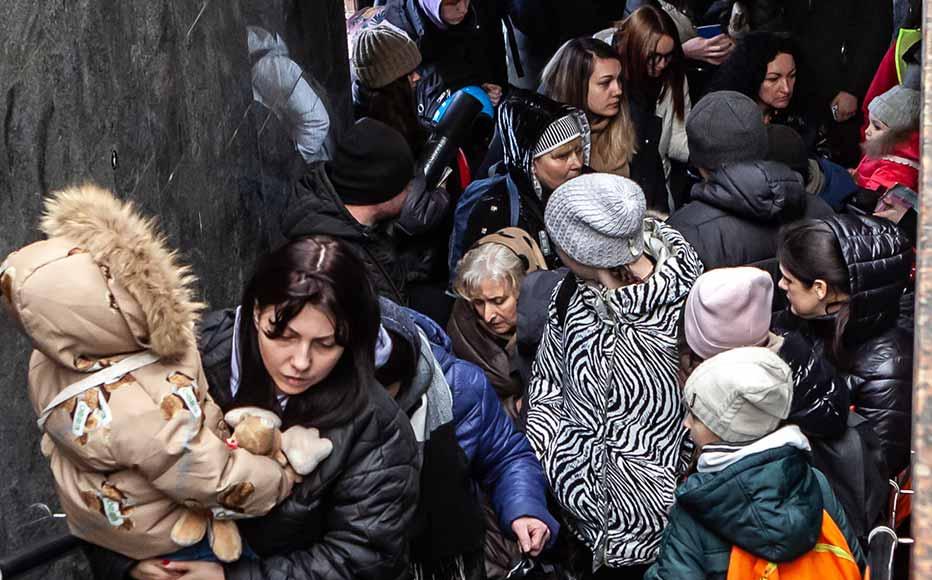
(372, 164)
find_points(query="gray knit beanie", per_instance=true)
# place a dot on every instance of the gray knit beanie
(382, 54)
(898, 108)
(725, 127)
(598, 220)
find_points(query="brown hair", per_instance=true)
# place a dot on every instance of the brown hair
(566, 79)
(636, 41)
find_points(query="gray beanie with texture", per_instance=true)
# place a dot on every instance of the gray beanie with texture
(598, 220)
(898, 108)
(725, 127)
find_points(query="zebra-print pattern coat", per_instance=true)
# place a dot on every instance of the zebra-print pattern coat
(605, 415)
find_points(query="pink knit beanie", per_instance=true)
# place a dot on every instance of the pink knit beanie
(728, 308)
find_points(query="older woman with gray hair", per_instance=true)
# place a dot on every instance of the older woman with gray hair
(484, 322)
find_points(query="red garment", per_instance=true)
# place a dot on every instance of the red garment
(884, 79)
(900, 166)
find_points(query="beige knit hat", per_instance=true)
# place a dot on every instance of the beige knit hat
(382, 54)
(741, 394)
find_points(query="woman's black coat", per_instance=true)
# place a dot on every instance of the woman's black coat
(347, 520)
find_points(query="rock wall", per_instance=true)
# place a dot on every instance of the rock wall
(153, 100)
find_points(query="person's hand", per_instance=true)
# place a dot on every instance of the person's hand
(494, 91)
(197, 570)
(151, 570)
(847, 106)
(711, 50)
(532, 534)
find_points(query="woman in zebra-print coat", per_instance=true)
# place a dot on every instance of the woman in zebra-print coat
(605, 416)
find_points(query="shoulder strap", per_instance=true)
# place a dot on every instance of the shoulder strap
(567, 288)
(105, 376)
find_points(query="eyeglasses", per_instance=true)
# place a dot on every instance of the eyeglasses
(655, 58)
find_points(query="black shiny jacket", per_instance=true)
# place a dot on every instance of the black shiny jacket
(877, 361)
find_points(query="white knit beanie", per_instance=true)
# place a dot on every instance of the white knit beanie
(741, 394)
(598, 220)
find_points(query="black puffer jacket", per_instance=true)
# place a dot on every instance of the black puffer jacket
(736, 214)
(522, 118)
(877, 366)
(315, 208)
(470, 53)
(349, 519)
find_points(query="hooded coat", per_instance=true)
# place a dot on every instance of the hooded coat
(470, 53)
(129, 453)
(522, 119)
(899, 167)
(316, 208)
(736, 214)
(769, 503)
(878, 359)
(605, 414)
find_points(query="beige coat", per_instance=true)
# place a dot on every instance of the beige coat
(126, 456)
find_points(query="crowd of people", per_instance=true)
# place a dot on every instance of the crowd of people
(652, 320)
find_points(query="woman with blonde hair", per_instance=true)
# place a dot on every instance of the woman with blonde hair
(587, 73)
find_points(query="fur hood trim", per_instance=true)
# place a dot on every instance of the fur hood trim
(138, 256)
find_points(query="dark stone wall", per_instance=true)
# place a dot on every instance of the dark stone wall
(152, 99)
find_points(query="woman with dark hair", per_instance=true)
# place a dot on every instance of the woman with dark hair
(385, 62)
(653, 67)
(301, 345)
(844, 278)
(763, 66)
(587, 73)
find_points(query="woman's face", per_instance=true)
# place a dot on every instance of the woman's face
(805, 301)
(413, 78)
(303, 355)
(453, 11)
(777, 89)
(560, 165)
(497, 304)
(660, 57)
(605, 87)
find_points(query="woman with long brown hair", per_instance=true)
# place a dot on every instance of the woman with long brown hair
(653, 67)
(587, 73)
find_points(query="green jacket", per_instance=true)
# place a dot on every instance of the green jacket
(769, 503)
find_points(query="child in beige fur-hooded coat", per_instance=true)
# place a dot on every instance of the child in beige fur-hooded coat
(131, 455)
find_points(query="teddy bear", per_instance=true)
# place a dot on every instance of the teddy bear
(259, 432)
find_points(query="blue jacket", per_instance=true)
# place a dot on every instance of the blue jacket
(500, 457)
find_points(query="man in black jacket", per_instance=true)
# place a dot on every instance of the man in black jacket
(737, 210)
(369, 197)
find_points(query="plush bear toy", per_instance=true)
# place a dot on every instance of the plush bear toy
(257, 431)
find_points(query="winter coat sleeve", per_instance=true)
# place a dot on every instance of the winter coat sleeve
(881, 391)
(500, 456)
(545, 391)
(820, 397)
(682, 556)
(369, 511)
(180, 456)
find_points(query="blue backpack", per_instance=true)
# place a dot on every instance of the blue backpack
(464, 206)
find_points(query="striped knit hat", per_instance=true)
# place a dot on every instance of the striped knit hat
(598, 220)
(382, 54)
(558, 133)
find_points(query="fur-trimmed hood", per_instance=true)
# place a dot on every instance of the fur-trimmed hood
(104, 283)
